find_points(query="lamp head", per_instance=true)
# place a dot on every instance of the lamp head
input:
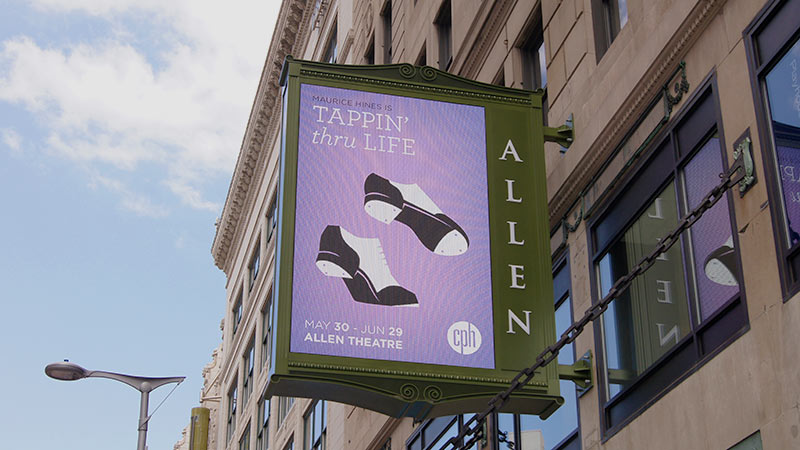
(65, 371)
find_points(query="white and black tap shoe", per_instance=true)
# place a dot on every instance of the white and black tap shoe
(360, 262)
(386, 201)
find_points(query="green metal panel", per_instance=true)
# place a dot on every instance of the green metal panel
(198, 429)
(521, 280)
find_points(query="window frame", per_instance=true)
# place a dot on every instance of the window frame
(244, 439)
(264, 413)
(266, 328)
(232, 407)
(310, 440)
(444, 34)
(255, 265)
(767, 39)
(237, 313)
(386, 23)
(606, 24)
(331, 44)
(272, 218)
(707, 337)
(248, 370)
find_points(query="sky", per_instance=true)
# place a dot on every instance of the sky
(120, 125)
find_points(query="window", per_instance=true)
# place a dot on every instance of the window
(316, 426)
(369, 55)
(773, 47)
(232, 408)
(533, 58)
(688, 304)
(255, 264)
(609, 17)
(433, 433)
(236, 313)
(244, 441)
(444, 31)
(386, 23)
(266, 329)
(272, 219)
(289, 445)
(560, 430)
(422, 59)
(330, 49)
(262, 440)
(284, 406)
(247, 382)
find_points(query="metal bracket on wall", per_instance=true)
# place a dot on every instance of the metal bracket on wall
(743, 160)
(563, 135)
(580, 373)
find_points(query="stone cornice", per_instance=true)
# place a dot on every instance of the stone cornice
(289, 37)
(637, 102)
(483, 38)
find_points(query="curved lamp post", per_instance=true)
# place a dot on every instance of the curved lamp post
(67, 371)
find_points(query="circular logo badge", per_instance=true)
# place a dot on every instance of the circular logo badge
(464, 338)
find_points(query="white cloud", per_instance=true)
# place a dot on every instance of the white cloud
(110, 104)
(12, 139)
(134, 202)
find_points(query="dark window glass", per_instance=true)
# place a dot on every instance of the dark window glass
(534, 59)
(255, 265)
(444, 30)
(262, 441)
(266, 329)
(232, 409)
(386, 20)
(236, 314)
(272, 219)
(330, 49)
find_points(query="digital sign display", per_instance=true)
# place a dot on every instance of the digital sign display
(391, 243)
(412, 267)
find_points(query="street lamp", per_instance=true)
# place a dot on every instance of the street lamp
(68, 371)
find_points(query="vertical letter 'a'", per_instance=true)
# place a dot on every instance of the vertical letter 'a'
(510, 149)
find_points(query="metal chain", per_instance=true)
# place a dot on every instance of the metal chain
(473, 428)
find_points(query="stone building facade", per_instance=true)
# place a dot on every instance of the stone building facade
(700, 351)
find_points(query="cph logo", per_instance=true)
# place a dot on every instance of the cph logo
(464, 338)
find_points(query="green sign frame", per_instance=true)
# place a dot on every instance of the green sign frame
(521, 278)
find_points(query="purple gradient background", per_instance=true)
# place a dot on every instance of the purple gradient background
(450, 166)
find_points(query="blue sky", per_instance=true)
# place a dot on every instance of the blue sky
(120, 124)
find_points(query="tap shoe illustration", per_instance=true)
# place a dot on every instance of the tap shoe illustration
(720, 265)
(387, 201)
(361, 264)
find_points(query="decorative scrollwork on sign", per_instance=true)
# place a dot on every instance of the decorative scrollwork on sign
(427, 73)
(407, 71)
(433, 393)
(409, 392)
(681, 87)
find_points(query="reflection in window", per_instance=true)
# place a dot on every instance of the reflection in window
(316, 426)
(232, 409)
(330, 49)
(782, 84)
(653, 315)
(560, 430)
(262, 440)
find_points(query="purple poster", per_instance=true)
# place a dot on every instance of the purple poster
(391, 255)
